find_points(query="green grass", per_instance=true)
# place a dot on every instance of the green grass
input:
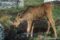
(33, 2)
(56, 12)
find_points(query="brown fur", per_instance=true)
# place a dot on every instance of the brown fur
(34, 13)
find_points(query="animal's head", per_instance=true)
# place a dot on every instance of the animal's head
(16, 22)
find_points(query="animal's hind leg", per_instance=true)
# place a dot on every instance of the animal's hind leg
(53, 26)
(29, 27)
(49, 15)
(48, 28)
(50, 18)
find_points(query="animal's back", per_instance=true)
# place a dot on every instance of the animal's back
(34, 12)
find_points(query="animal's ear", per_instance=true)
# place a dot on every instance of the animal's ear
(19, 15)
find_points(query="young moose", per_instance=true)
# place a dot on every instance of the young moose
(33, 13)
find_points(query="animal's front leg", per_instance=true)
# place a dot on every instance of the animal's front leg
(32, 31)
(29, 27)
